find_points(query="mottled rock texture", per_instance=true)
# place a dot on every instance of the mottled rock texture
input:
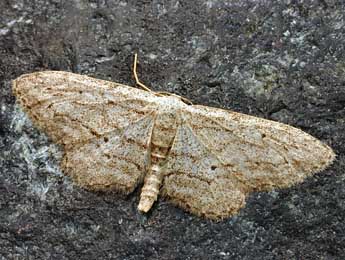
(281, 60)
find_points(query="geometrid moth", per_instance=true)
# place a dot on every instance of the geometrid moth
(205, 160)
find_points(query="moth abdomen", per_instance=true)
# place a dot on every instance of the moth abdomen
(153, 179)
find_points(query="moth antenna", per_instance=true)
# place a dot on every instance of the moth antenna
(137, 81)
(161, 93)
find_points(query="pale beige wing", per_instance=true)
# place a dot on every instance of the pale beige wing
(262, 154)
(218, 157)
(196, 180)
(105, 127)
(113, 162)
(73, 108)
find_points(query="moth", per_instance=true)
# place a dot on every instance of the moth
(204, 159)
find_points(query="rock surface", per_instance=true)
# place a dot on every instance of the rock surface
(281, 60)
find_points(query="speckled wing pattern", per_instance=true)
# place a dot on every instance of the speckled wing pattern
(104, 127)
(113, 161)
(219, 156)
(204, 159)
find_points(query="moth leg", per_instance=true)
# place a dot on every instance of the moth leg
(137, 81)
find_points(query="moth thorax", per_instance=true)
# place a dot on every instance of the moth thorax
(164, 129)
